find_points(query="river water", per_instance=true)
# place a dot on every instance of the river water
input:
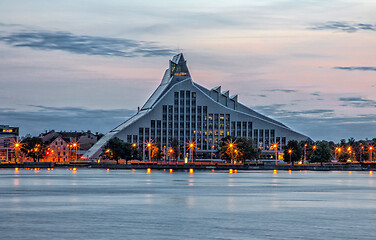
(125, 204)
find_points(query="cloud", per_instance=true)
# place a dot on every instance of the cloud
(323, 123)
(356, 68)
(281, 90)
(40, 118)
(277, 110)
(357, 102)
(81, 44)
(315, 94)
(343, 26)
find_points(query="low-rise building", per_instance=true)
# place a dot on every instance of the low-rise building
(8, 136)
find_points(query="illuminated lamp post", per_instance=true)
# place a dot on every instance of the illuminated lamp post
(134, 145)
(74, 145)
(370, 152)
(211, 155)
(305, 152)
(349, 150)
(16, 147)
(170, 152)
(149, 145)
(275, 148)
(231, 145)
(335, 152)
(290, 152)
(191, 146)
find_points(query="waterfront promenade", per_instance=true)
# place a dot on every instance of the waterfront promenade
(201, 166)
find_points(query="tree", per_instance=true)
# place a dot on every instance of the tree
(293, 152)
(248, 150)
(176, 148)
(33, 147)
(343, 156)
(322, 153)
(241, 150)
(116, 149)
(156, 152)
(227, 152)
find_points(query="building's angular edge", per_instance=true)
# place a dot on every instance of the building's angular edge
(177, 78)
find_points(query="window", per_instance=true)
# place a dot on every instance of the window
(255, 136)
(176, 98)
(249, 129)
(147, 133)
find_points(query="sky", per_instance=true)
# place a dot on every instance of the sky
(88, 64)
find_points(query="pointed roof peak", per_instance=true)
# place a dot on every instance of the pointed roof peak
(178, 58)
(178, 66)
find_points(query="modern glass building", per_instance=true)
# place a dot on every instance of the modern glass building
(182, 109)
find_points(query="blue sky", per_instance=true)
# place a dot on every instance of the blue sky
(79, 65)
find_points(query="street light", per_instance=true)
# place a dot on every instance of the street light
(349, 150)
(290, 152)
(370, 152)
(16, 147)
(231, 145)
(149, 144)
(75, 146)
(170, 152)
(337, 151)
(191, 146)
(275, 147)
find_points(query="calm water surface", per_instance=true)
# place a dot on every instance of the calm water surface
(122, 204)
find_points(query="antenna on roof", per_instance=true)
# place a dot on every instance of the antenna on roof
(179, 50)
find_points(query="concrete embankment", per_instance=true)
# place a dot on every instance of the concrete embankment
(199, 166)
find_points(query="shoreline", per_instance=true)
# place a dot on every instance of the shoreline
(200, 167)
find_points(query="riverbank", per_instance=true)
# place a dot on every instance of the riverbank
(199, 166)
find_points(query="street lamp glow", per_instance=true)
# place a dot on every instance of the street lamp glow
(231, 145)
(191, 145)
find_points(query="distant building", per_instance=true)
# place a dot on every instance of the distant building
(58, 150)
(186, 111)
(7, 131)
(8, 135)
(59, 144)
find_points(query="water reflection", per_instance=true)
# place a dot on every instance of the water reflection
(259, 205)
